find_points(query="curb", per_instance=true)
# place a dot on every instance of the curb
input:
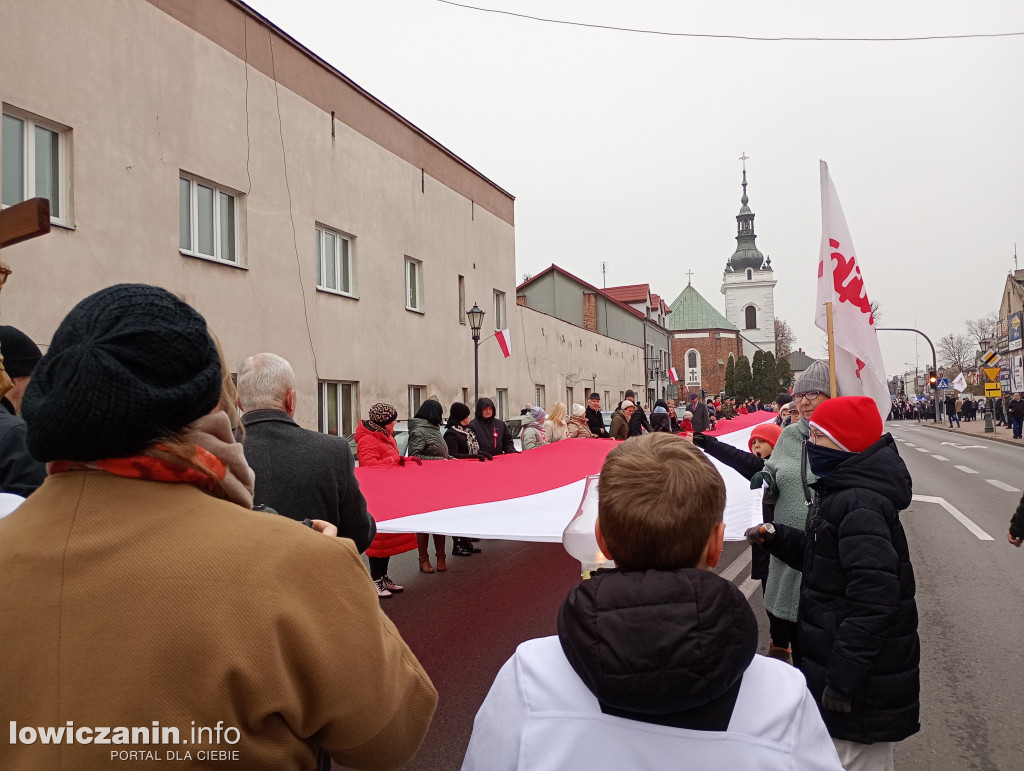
(958, 432)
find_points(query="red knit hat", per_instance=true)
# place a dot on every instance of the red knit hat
(769, 432)
(852, 422)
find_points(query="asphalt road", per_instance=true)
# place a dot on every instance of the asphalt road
(464, 624)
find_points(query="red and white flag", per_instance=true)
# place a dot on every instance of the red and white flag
(672, 375)
(502, 336)
(858, 357)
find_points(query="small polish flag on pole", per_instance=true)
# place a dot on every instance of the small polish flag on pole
(502, 336)
(672, 375)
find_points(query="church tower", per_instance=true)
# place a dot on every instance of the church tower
(748, 284)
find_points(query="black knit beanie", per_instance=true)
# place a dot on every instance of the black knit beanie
(127, 366)
(458, 413)
(20, 354)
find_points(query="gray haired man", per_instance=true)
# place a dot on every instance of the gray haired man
(301, 474)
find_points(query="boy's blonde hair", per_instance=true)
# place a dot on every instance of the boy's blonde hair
(659, 499)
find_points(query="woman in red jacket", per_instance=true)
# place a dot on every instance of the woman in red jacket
(376, 446)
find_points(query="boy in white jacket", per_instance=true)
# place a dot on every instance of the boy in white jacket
(654, 663)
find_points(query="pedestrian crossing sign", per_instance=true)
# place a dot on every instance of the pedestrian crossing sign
(993, 373)
(943, 383)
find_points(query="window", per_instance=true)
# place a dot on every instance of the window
(207, 220)
(462, 299)
(607, 399)
(750, 312)
(465, 397)
(502, 396)
(499, 310)
(417, 395)
(693, 367)
(750, 275)
(35, 163)
(333, 261)
(539, 399)
(413, 285)
(337, 410)
(569, 400)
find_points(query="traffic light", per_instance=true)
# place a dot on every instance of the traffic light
(933, 380)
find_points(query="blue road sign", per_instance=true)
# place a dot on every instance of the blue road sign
(943, 383)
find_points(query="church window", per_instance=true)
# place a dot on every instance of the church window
(751, 317)
(691, 359)
(750, 275)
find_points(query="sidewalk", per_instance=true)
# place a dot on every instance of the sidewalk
(976, 428)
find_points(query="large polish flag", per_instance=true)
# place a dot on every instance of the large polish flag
(858, 357)
(526, 497)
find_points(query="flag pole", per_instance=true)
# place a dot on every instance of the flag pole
(831, 353)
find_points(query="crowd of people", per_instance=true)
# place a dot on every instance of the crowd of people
(178, 559)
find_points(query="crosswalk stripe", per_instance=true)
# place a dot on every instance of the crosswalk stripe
(922, 449)
(966, 470)
(737, 566)
(749, 586)
(1003, 486)
(940, 457)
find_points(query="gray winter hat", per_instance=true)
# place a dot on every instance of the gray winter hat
(814, 378)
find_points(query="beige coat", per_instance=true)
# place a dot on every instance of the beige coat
(128, 601)
(555, 433)
(578, 429)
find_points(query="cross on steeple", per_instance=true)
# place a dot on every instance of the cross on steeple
(744, 158)
(689, 277)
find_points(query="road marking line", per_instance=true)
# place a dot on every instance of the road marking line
(1003, 486)
(940, 457)
(749, 586)
(736, 566)
(922, 449)
(957, 514)
(911, 444)
(900, 440)
(966, 469)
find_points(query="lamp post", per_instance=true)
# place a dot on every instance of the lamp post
(476, 320)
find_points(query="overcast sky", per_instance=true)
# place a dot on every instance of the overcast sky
(623, 147)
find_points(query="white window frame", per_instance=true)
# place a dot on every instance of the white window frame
(499, 310)
(413, 267)
(699, 368)
(343, 246)
(540, 398)
(192, 250)
(570, 396)
(344, 419)
(28, 181)
(417, 395)
(501, 397)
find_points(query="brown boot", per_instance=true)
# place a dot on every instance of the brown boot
(442, 564)
(422, 539)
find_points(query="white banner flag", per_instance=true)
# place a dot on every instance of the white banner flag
(859, 368)
(960, 384)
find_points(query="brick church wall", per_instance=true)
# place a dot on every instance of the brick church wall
(711, 349)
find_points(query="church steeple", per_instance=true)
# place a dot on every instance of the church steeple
(746, 254)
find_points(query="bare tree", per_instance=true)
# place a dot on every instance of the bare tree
(956, 351)
(785, 340)
(983, 328)
(876, 311)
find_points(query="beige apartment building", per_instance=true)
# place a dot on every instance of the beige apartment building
(195, 146)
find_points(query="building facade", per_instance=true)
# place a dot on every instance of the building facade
(748, 284)
(197, 147)
(703, 341)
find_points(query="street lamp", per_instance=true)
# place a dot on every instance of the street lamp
(476, 320)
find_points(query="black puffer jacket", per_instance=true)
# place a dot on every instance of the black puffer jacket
(857, 625)
(664, 647)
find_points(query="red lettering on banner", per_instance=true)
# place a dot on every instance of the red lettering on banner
(860, 366)
(848, 282)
